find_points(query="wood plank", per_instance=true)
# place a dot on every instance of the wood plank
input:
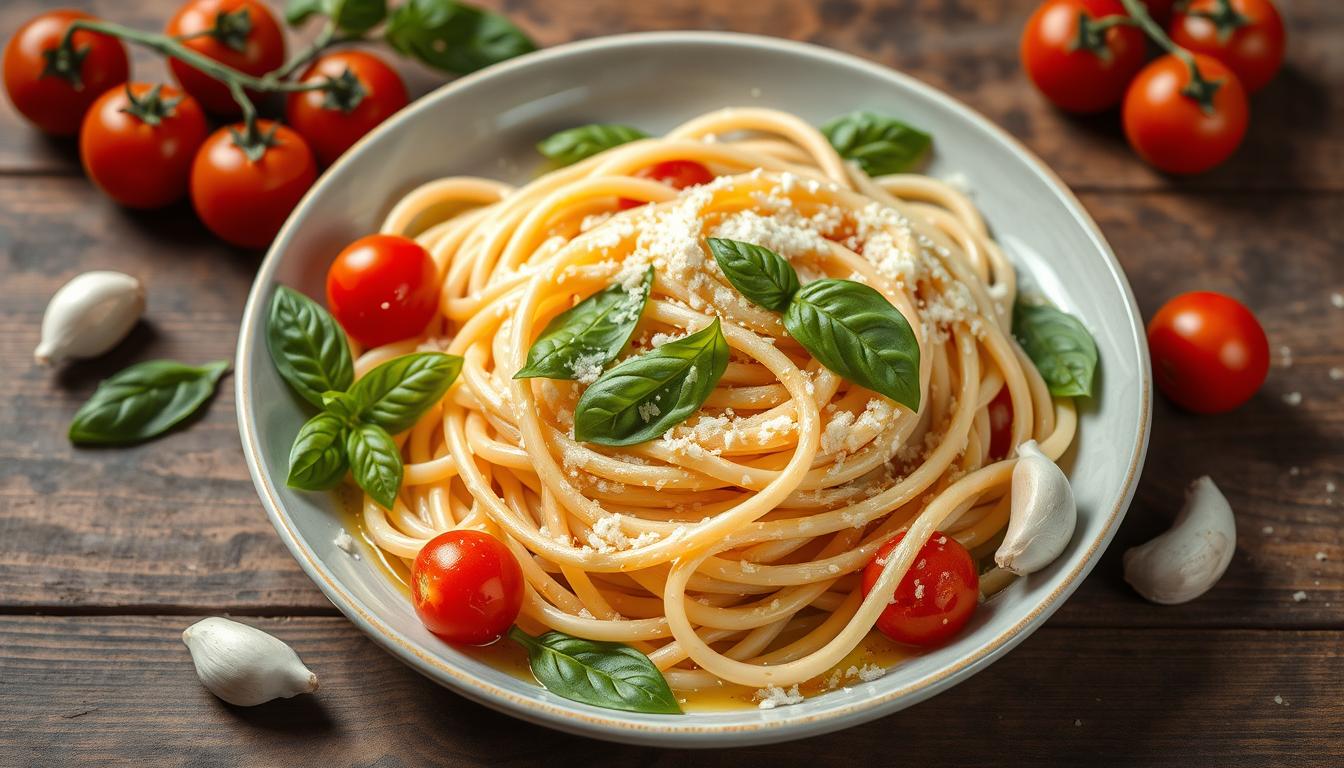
(967, 49)
(120, 690)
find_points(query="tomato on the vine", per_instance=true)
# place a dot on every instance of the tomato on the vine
(1080, 72)
(1210, 354)
(241, 34)
(245, 200)
(1171, 129)
(138, 146)
(678, 174)
(54, 92)
(1250, 40)
(935, 599)
(370, 92)
(467, 587)
(383, 288)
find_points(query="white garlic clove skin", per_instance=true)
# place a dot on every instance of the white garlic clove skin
(1042, 515)
(89, 315)
(243, 665)
(1187, 560)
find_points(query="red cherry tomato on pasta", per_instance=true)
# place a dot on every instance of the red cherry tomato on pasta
(1250, 42)
(467, 587)
(245, 201)
(678, 174)
(1210, 354)
(245, 37)
(332, 121)
(140, 153)
(1170, 129)
(935, 599)
(383, 288)
(1075, 78)
(1000, 424)
(53, 102)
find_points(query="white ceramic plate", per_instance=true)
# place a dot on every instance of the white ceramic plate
(486, 124)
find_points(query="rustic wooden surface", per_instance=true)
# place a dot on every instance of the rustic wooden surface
(105, 555)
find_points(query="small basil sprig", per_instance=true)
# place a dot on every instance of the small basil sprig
(848, 327)
(454, 37)
(648, 394)
(570, 146)
(349, 16)
(879, 144)
(595, 329)
(1059, 345)
(355, 427)
(603, 674)
(144, 401)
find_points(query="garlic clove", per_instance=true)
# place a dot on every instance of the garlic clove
(1187, 560)
(243, 665)
(89, 315)
(1042, 516)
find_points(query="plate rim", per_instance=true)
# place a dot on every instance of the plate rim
(608, 724)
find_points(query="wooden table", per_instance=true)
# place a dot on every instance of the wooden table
(106, 555)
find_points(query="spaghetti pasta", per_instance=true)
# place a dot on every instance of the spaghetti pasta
(729, 548)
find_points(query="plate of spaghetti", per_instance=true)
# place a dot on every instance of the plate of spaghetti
(693, 389)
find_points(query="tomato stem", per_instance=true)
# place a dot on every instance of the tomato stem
(1092, 33)
(1200, 89)
(151, 108)
(1226, 19)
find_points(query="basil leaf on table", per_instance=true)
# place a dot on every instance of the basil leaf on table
(604, 674)
(144, 400)
(1059, 345)
(854, 331)
(375, 461)
(592, 332)
(317, 459)
(759, 273)
(880, 145)
(396, 393)
(570, 146)
(308, 346)
(647, 395)
(454, 37)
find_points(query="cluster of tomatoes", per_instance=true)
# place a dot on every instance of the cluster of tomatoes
(148, 145)
(1184, 112)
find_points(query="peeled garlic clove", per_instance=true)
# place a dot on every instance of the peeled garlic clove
(1192, 555)
(89, 315)
(1042, 516)
(243, 665)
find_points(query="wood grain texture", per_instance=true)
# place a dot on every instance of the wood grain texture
(80, 691)
(966, 48)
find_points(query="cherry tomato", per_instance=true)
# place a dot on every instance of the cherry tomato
(1074, 78)
(55, 103)
(383, 288)
(1251, 47)
(935, 599)
(467, 587)
(331, 122)
(678, 174)
(142, 161)
(249, 40)
(1000, 424)
(245, 201)
(1170, 129)
(1210, 354)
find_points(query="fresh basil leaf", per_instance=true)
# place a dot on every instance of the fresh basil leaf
(350, 16)
(570, 146)
(647, 395)
(317, 459)
(299, 11)
(396, 393)
(759, 273)
(591, 333)
(341, 405)
(609, 675)
(308, 346)
(144, 400)
(453, 36)
(853, 330)
(880, 145)
(375, 462)
(1059, 345)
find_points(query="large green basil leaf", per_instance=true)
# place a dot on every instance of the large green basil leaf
(308, 346)
(396, 393)
(880, 145)
(762, 275)
(1059, 345)
(454, 37)
(375, 462)
(591, 333)
(570, 146)
(144, 400)
(317, 459)
(610, 675)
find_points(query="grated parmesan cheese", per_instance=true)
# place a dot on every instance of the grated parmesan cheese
(774, 696)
